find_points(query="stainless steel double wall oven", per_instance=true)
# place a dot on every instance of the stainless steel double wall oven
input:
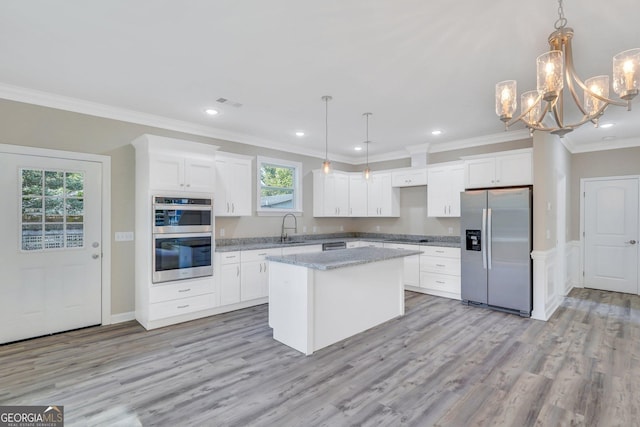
(183, 241)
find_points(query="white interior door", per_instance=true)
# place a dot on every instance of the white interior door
(611, 235)
(51, 254)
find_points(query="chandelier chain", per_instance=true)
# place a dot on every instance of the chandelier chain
(562, 21)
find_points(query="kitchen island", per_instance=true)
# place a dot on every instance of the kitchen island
(318, 299)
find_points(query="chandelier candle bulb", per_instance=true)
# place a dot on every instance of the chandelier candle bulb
(550, 71)
(506, 99)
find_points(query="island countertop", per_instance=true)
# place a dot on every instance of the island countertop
(329, 260)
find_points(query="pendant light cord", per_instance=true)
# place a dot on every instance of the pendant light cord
(326, 127)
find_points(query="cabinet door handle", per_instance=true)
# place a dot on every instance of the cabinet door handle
(440, 265)
(265, 267)
(233, 207)
(181, 185)
(439, 252)
(227, 207)
(184, 290)
(237, 271)
(260, 267)
(440, 282)
(188, 185)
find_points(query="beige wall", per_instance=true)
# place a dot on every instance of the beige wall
(620, 162)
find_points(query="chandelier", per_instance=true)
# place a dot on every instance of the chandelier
(555, 70)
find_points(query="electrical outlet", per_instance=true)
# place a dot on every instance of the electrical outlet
(377, 228)
(304, 228)
(341, 228)
(124, 236)
(222, 232)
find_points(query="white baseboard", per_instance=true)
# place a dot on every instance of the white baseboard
(123, 317)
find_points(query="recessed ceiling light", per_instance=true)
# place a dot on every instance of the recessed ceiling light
(357, 148)
(299, 133)
(436, 132)
(607, 125)
(211, 111)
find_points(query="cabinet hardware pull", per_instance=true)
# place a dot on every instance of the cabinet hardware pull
(440, 282)
(262, 254)
(440, 265)
(237, 271)
(233, 207)
(183, 306)
(439, 252)
(227, 206)
(260, 267)
(188, 185)
(231, 256)
(184, 290)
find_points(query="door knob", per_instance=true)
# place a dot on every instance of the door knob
(632, 242)
(95, 256)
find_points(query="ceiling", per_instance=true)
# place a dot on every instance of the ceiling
(416, 65)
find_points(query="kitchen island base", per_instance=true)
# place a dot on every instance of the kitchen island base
(310, 309)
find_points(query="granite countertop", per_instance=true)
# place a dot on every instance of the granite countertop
(330, 260)
(246, 244)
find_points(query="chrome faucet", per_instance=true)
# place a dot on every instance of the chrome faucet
(283, 233)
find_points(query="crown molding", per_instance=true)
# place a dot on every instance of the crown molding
(476, 141)
(575, 148)
(47, 99)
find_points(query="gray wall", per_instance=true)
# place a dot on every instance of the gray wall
(552, 161)
(620, 162)
(30, 125)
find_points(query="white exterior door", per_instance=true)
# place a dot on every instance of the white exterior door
(611, 235)
(51, 255)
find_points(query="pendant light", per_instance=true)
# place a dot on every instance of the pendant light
(326, 165)
(367, 171)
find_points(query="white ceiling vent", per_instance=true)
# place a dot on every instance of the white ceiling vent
(226, 101)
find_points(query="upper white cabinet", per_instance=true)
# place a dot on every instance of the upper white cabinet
(382, 198)
(342, 194)
(505, 169)
(409, 177)
(357, 195)
(168, 164)
(330, 194)
(443, 192)
(233, 185)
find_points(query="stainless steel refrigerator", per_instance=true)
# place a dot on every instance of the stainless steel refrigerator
(496, 243)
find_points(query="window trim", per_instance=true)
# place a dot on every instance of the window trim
(297, 186)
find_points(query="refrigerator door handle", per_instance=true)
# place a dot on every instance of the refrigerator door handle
(489, 238)
(483, 239)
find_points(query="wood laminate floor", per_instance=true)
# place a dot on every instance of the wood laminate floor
(441, 364)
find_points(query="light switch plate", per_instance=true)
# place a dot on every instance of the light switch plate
(124, 236)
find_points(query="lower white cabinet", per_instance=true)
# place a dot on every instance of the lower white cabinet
(229, 277)
(440, 271)
(254, 275)
(177, 307)
(289, 250)
(411, 276)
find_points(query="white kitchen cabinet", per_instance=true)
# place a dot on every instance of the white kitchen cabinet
(357, 195)
(290, 250)
(382, 199)
(172, 167)
(254, 275)
(409, 177)
(411, 276)
(440, 271)
(505, 169)
(443, 192)
(169, 171)
(233, 185)
(330, 194)
(229, 277)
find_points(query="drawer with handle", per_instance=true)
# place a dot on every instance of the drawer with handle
(440, 265)
(177, 307)
(441, 251)
(230, 257)
(440, 282)
(180, 289)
